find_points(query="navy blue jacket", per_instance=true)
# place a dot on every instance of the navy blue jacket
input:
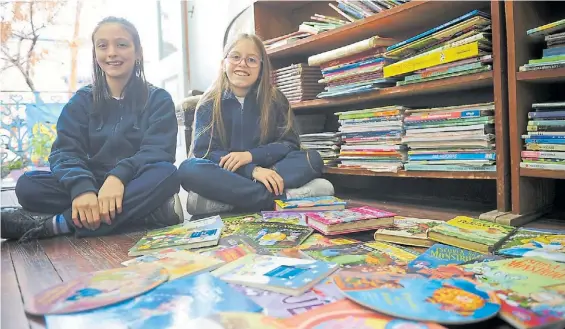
(118, 141)
(243, 132)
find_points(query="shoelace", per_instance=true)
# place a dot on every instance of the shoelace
(32, 232)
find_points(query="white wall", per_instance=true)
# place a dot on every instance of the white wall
(206, 35)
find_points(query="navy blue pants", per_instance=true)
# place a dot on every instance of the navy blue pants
(40, 191)
(209, 180)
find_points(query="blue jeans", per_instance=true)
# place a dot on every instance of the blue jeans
(40, 191)
(209, 180)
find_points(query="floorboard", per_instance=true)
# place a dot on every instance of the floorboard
(13, 315)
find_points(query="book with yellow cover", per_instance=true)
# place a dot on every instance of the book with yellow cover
(471, 233)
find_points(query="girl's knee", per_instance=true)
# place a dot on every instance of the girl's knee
(315, 160)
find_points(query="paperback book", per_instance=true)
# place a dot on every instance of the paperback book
(408, 231)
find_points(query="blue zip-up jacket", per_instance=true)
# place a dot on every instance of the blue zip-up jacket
(118, 141)
(243, 132)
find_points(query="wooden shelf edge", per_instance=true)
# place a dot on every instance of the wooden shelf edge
(413, 174)
(465, 82)
(346, 30)
(542, 173)
(542, 75)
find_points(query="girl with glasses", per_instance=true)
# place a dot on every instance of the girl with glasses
(245, 150)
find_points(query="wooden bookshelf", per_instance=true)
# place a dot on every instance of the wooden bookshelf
(533, 190)
(276, 18)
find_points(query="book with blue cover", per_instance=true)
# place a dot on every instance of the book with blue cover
(440, 255)
(174, 302)
(290, 276)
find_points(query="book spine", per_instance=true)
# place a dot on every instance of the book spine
(548, 166)
(432, 59)
(554, 51)
(453, 156)
(449, 70)
(412, 167)
(552, 114)
(545, 147)
(542, 154)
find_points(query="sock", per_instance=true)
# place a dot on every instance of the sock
(60, 225)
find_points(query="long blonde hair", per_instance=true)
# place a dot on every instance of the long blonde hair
(268, 97)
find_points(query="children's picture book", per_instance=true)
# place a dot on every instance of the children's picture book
(284, 275)
(273, 235)
(245, 243)
(365, 257)
(483, 259)
(229, 254)
(232, 223)
(283, 306)
(178, 263)
(169, 306)
(548, 244)
(417, 298)
(287, 217)
(471, 233)
(97, 289)
(345, 314)
(189, 235)
(440, 255)
(532, 290)
(233, 320)
(349, 220)
(408, 231)
(321, 203)
(315, 240)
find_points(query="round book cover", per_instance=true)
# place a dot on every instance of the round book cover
(415, 297)
(235, 320)
(97, 289)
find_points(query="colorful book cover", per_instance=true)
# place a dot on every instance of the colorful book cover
(96, 289)
(174, 302)
(315, 240)
(287, 217)
(229, 254)
(284, 306)
(279, 274)
(408, 230)
(471, 233)
(178, 263)
(440, 255)
(232, 223)
(531, 242)
(275, 236)
(532, 289)
(367, 257)
(322, 201)
(346, 314)
(233, 320)
(449, 301)
(188, 235)
(348, 215)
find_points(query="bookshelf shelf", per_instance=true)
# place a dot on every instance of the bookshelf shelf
(397, 22)
(413, 174)
(276, 18)
(468, 82)
(533, 190)
(542, 76)
(542, 173)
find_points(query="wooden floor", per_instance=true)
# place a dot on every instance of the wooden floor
(29, 268)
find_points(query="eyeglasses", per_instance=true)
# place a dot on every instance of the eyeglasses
(251, 61)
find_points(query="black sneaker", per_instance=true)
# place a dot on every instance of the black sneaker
(18, 223)
(170, 213)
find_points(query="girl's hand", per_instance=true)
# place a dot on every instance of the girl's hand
(270, 178)
(85, 211)
(110, 198)
(234, 160)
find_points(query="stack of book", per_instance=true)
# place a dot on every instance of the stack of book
(545, 140)
(554, 54)
(355, 10)
(372, 139)
(457, 138)
(286, 39)
(326, 143)
(355, 68)
(298, 82)
(459, 47)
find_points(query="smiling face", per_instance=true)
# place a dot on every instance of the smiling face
(115, 51)
(242, 66)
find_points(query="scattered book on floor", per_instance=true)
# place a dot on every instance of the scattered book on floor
(286, 217)
(440, 255)
(284, 275)
(349, 220)
(407, 231)
(321, 203)
(274, 235)
(529, 242)
(471, 234)
(189, 235)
